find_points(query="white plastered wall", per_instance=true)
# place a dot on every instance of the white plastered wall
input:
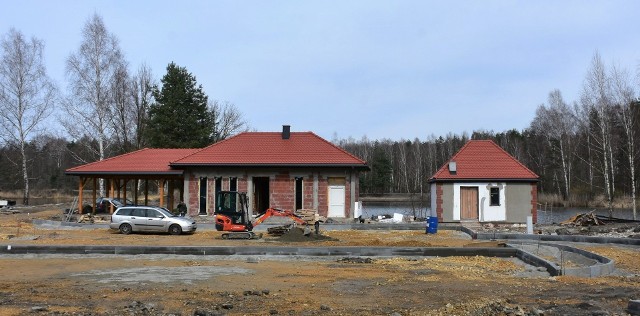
(486, 212)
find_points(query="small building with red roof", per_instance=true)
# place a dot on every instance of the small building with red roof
(483, 183)
(286, 170)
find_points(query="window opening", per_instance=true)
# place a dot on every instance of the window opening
(495, 196)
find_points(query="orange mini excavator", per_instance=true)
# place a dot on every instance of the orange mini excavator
(232, 216)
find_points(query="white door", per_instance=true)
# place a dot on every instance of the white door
(336, 201)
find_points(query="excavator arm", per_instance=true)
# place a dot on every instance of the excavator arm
(278, 212)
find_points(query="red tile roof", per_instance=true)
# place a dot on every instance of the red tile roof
(143, 161)
(269, 149)
(484, 160)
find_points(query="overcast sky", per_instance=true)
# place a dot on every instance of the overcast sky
(384, 69)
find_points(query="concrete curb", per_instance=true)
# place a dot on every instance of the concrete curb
(567, 238)
(604, 266)
(507, 252)
(268, 250)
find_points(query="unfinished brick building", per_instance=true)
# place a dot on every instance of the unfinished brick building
(287, 170)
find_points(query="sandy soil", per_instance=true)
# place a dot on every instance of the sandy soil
(193, 285)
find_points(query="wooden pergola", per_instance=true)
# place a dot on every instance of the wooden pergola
(124, 175)
(117, 187)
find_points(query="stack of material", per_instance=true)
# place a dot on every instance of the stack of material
(584, 219)
(279, 230)
(92, 219)
(310, 216)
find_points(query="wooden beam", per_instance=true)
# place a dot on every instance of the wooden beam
(170, 199)
(124, 190)
(135, 192)
(111, 189)
(93, 202)
(146, 191)
(80, 189)
(161, 192)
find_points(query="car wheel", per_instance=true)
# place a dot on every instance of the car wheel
(175, 229)
(126, 229)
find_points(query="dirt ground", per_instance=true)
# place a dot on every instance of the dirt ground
(197, 285)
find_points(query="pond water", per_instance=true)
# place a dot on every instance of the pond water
(555, 215)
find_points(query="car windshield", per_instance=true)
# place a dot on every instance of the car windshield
(165, 212)
(118, 201)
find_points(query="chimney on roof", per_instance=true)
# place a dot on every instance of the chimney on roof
(286, 131)
(452, 167)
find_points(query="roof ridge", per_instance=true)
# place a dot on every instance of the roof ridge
(110, 158)
(452, 158)
(514, 159)
(201, 149)
(338, 147)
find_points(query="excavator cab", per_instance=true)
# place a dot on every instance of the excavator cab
(232, 212)
(232, 216)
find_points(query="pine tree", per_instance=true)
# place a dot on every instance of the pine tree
(179, 118)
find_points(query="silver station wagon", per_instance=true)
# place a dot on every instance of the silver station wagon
(129, 219)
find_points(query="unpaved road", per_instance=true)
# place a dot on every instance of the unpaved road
(198, 285)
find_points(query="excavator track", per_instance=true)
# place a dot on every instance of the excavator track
(241, 235)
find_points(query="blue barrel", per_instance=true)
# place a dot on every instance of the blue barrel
(432, 224)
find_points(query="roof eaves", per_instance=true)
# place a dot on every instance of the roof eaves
(173, 172)
(483, 179)
(338, 147)
(106, 159)
(332, 165)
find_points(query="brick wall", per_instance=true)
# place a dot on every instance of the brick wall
(307, 191)
(211, 195)
(323, 191)
(194, 192)
(282, 188)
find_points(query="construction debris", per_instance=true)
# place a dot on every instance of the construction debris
(279, 230)
(584, 219)
(8, 211)
(92, 219)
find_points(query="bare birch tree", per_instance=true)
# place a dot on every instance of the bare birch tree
(557, 124)
(26, 94)
(90, 71)
(141, 90)
(624, 98)
(122, 115)
(596, 101)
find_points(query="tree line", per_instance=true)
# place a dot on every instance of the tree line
(585, 151)
(107, 109)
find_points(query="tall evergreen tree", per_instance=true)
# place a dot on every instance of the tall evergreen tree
(179, 118)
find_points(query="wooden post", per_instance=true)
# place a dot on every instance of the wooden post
(170, 198)
(93, 202)
(135, 192)
(146, 191)
(124, 191)
(80, 187)
(118, 187)
(161, 192)
(111, 189)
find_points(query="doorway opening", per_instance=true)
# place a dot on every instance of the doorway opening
(299, 194)
(203, 196)
(261, 194)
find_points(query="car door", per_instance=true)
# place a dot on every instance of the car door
(139, 219)
(155, 221)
